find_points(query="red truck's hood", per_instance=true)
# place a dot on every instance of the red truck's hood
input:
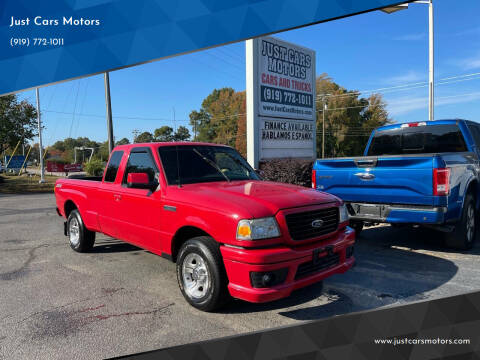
(259, 198)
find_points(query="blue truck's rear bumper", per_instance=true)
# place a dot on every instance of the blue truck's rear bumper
(388, 213)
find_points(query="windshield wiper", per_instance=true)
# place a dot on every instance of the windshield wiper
(241, 164)
(211, 163)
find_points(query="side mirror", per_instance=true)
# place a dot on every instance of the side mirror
(139, 181)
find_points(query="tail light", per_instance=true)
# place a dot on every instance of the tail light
(423, 123)
(314, 179)
(441, 182)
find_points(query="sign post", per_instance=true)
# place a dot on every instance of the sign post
(40, 148)
(251, 51)
(281, 113)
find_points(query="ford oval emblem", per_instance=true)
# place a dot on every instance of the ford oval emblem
(317, 223)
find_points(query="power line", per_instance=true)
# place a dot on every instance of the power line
(438, 98)
(74, 109)
(115, 116)
(217, 69)
(408, 86)
(224, 51)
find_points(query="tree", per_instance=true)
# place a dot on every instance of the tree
(102, 152)
(144, 137)
(35, 153)
(17, 122)
(123, 141)
(164, 134)
(241, 138)
(349, 119)
(200, 122)
(182, 134)
(217, 120)
(94, 167)
(59, 145)
(67, 148)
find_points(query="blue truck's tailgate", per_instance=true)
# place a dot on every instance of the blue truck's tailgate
(389, 179)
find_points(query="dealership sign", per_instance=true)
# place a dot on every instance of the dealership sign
(286, 79)
(280, 100)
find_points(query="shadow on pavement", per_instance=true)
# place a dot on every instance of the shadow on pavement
(113, 246)
(387, 271)
(412, 238)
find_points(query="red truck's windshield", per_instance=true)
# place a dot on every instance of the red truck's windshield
(188, 164)
(417, 140)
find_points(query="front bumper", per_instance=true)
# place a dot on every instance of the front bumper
(391, 213)
(240, 262)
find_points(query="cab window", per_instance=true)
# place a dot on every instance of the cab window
(141, 161)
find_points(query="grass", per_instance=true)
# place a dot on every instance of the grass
(23, 184)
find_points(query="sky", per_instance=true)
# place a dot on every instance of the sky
(366, 52)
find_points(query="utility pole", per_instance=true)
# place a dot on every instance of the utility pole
(135, 133)
(108, 104)
(324, 110)
(431, 74)
(174, 122)
(431, 83)
(195, 130)
(40, 148)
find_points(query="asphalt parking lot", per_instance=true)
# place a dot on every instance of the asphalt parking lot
(119, 299)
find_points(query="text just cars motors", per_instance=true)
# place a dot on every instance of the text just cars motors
(65, 21)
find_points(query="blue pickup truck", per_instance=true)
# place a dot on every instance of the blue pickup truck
(423, 173)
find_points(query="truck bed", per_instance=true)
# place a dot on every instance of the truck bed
(391, 179)
(83, 177)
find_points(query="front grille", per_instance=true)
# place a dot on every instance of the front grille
(312, 267)
(300, 224)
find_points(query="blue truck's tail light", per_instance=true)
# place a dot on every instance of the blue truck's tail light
(314, 179)
(423, 123)
(441, 182)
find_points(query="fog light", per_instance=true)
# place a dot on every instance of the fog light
(268, 278)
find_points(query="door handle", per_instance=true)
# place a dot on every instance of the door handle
(117, 197)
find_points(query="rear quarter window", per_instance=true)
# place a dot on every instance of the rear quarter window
(112, 167)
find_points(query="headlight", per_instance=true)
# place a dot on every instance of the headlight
(343, 213)
(257, 229)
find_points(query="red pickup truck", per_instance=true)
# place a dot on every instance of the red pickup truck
(202, 206)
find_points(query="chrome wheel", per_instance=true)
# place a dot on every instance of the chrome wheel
(470, 223)
(74, 231)
(195, 276)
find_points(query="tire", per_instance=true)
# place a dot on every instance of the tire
(201, 275)
(357, 226)
(463, 236)
(81, 239)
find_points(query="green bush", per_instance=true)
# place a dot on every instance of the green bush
(94, 167)
(290, 171)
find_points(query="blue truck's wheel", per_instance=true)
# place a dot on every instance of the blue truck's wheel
(465, 231)
(357, 226)
(81, 239)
